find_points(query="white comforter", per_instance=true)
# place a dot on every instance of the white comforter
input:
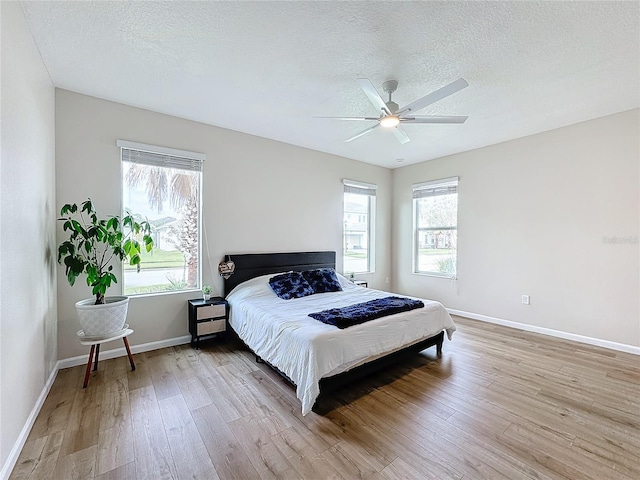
(282, 333)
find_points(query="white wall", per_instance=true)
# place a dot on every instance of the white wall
(259, 196)
(535, 217)
(27, 243)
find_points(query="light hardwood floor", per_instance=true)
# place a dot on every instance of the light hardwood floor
(499, 404)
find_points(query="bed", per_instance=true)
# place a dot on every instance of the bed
(314, 356)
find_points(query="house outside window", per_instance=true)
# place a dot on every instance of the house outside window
(164, 186)
(435, 227)
(359, 226)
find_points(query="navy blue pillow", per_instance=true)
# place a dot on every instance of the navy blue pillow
(323, 280)
(290, 285)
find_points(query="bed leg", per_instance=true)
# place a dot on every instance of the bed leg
(439, 347)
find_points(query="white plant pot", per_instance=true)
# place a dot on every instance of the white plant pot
(101, 320)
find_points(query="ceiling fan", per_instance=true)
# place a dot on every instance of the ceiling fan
(392, 117)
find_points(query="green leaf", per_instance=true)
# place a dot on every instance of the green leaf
(74, 265)
(66, 248)
(148, 243)
(127, 246)
(78, 228)
(66, 209)
(92, 273)
(112, 223)
(87, 206)
(101, 233)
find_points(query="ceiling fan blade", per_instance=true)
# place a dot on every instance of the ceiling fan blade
(434, 97)
(362, 133)
(435, 119)
(352, 118)
(374, 97)
(401, 135)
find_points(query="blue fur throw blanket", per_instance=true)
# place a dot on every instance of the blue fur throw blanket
(363, 312)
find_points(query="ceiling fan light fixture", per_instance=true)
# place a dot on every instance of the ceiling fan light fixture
(390, 116)
(390, 121)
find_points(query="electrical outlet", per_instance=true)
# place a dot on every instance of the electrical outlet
(525, 299)
(386, 279)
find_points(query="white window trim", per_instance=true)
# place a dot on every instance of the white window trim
(201, 157)
(445, 182)
(164, 150)
(355, 183)
(369, 189)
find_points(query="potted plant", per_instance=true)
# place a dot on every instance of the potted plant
(206, 292)
(90, 248)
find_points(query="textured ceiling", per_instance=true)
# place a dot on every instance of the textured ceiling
(267, 68)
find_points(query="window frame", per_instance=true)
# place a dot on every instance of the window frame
(419, 190)
(196, 161)
(370, 190)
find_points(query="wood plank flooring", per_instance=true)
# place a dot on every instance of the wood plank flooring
(499, 404)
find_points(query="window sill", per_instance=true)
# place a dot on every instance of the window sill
(436, 275)
(191, 292)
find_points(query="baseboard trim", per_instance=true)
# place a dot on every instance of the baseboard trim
(621, 347)
(10, 463)
(120, 352)
(7, 468)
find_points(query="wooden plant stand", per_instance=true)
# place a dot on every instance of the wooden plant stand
(95, 348)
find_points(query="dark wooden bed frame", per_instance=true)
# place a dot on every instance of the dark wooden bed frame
(248, 266)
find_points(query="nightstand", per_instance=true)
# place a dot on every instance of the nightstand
(207, 317)
(361, 283)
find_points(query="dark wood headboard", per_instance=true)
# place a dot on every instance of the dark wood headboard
(253, 265)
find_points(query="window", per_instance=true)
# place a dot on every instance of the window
(163, 185)
(359, 224)
(435, 213)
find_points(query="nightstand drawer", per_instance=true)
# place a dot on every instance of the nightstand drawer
(211, 311)
(214, 326)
